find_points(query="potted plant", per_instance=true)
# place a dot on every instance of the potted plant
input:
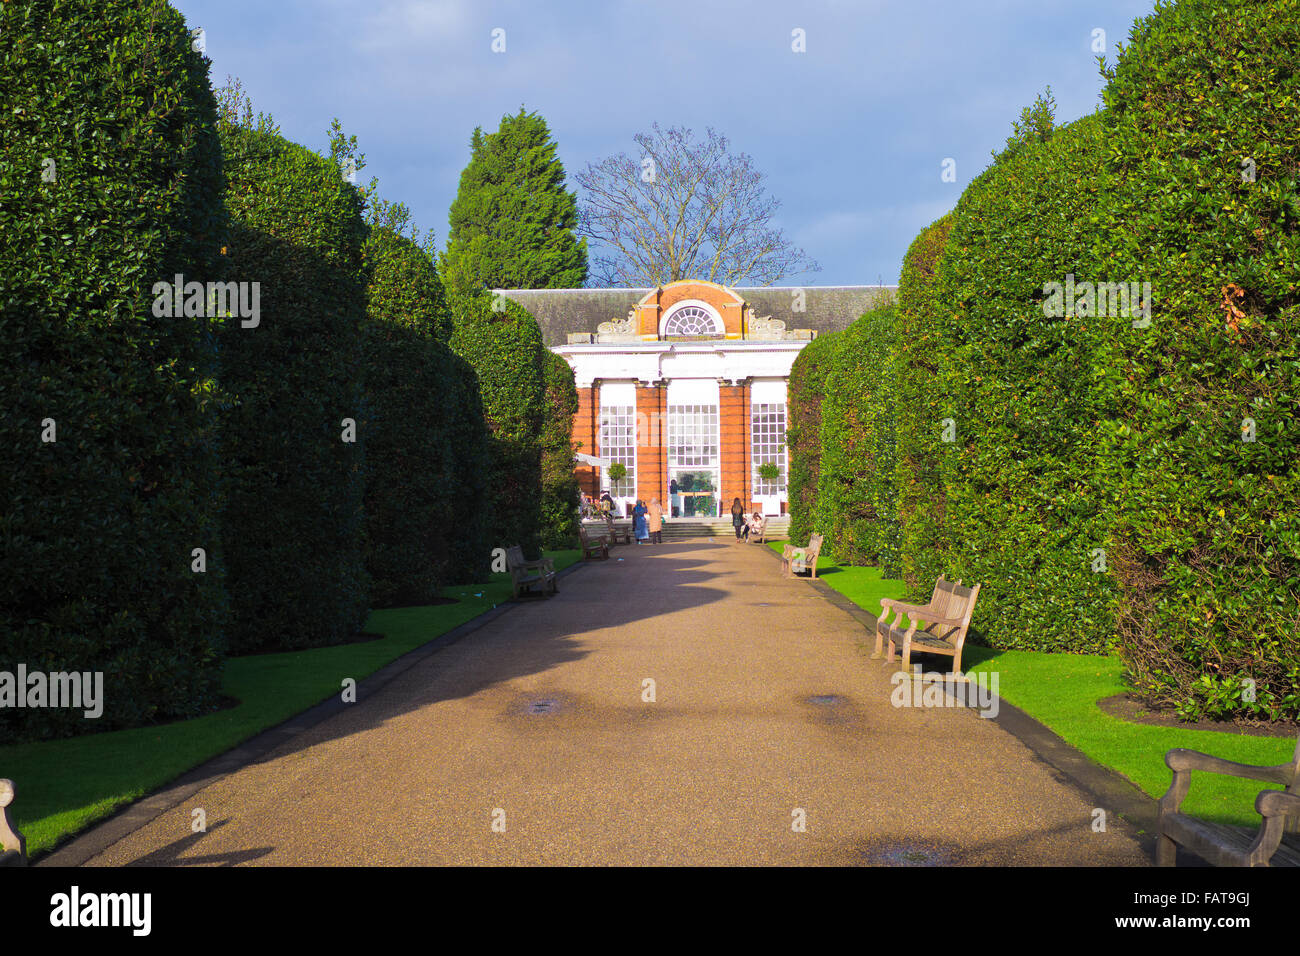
(617, 472)
(769, 471)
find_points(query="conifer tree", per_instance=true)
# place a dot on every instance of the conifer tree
(513, 220)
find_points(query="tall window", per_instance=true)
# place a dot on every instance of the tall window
(693, 436)
(618, 444)
(690, 320)
(767, 433)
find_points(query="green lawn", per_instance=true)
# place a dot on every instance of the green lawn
(1062, 690)
(65, 785)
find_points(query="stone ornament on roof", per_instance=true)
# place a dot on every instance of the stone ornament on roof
(619, 327)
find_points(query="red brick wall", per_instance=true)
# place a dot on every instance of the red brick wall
(651, 435)
(586, 431)
(733, 413)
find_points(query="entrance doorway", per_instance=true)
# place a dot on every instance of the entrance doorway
(694, 492)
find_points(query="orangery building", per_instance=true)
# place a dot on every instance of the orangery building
(685, 385)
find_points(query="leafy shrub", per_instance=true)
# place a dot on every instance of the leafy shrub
(559, 518)
(471, 464)
(1207, 550)
(295, 544)
(98, 526)
(922, 410)
(803, 434)
(412, 401)
(505, 348)
(855, 492)
(1024, 513)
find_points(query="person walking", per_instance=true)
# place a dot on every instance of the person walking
(737, 516)
(655, 522)
(639, 525)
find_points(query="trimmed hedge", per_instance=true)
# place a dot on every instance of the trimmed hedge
(856, 500)
(1208, 528)
(295, 545)
(559, 483)
(471, 463)
(803, 432)
(1100, 486)
(921, 410)
(1025, 513)
(413, 401)
(505, 349)
(98, 526)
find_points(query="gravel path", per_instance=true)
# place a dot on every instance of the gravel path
(714, 771)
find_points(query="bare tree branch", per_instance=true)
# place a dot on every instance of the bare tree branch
(687, 210)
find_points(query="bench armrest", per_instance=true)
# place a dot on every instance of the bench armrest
(923, 614)
(1278, 803)
(10, 839)
(891, 604)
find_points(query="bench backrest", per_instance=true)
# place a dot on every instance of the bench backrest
(953, 601)
(515, 557)
(814, 546)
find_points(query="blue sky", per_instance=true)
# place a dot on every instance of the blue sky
(852, 133)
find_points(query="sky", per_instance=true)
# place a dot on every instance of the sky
(852, 133)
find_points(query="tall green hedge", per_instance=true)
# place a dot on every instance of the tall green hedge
(1207, 552)
(413, 401)
(110, 181)
(922, 413)
(471, 464)
(503, 343)
(803, 433)
(559, 518)
(1025, 513)
(856, 500)
(1127, 475)
(295, 528)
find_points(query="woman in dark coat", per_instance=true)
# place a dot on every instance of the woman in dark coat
(737, 516)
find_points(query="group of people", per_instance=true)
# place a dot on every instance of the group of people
(648, 522)
(590, 507)
(744, 524)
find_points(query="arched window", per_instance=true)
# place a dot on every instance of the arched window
(691, 320)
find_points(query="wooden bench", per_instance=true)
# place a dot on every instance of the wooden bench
(525, 574)
(946, 618)
(593, 546)
(1275, 843)
(13, 847)
(805, 558)
(616, 534)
